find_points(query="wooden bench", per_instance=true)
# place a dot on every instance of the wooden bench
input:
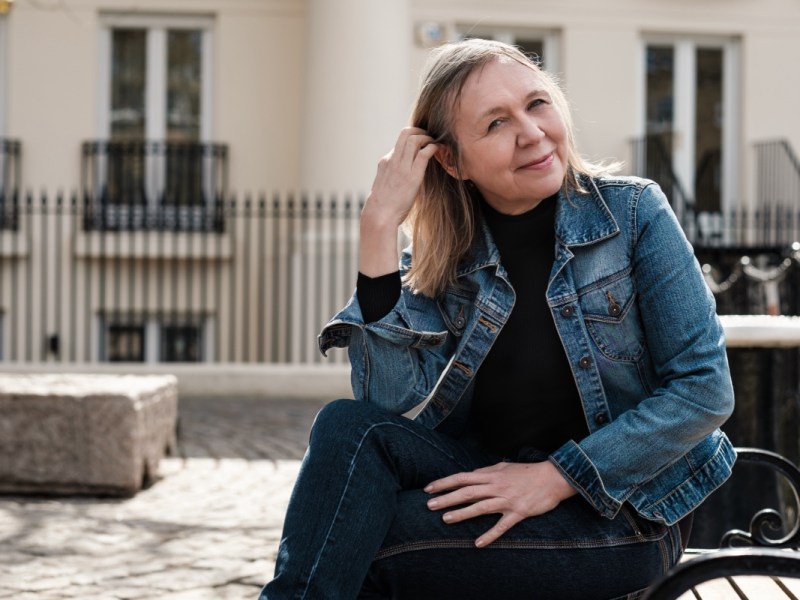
(759, 564)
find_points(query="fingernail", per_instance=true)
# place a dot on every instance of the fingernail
(432, 504)
(427, 488)
(480, 543)
(447, 518)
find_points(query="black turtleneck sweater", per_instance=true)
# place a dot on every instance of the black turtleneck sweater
(525, 394)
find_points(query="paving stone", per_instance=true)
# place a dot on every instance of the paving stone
(207, 528)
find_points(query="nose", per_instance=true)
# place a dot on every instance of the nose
(529, 131)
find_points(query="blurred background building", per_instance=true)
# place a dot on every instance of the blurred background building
(180, 179)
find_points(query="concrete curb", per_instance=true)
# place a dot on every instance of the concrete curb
(300, 382)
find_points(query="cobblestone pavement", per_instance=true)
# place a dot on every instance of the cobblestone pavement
(208, 529)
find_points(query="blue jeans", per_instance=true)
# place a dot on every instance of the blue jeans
(358, 526)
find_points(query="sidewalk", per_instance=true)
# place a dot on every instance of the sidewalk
(208, 529)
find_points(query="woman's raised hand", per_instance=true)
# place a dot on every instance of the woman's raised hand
(513, 490)
(394, 190)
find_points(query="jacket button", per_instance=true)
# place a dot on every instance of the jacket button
(584, 362)
(567, 311)
(460, 322)
(614, 309)
(601, 418)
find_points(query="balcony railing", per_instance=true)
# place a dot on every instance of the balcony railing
(777, 176)
(651, 157)
(137, 185)
(10, 170)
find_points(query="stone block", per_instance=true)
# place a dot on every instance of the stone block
(84, 434)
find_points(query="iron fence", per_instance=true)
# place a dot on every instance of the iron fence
(651, 158)
(253, 288)
(178, 182)
(246, 280)
(777, 175)
(772, 220)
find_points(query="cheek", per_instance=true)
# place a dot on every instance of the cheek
(479, 158)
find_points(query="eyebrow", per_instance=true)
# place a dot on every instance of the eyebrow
(499, 109)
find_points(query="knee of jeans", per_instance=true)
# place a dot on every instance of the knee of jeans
(340, 416)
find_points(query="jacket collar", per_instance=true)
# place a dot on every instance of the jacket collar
(581, 220)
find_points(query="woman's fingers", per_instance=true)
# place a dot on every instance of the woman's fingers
(506, 522)
(457, 480)
(513, 490)
(400, 174)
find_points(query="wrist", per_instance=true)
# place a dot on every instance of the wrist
(378, 252)
(562, 488)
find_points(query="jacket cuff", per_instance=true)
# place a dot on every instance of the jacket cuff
(581, 473)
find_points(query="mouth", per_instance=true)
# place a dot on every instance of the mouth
(540, 163)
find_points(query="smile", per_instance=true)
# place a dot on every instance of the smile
(540, 163)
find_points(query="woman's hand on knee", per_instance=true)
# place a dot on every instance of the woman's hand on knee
(516, 491)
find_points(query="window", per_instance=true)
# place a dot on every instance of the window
(540, 44)
(690, 120)
(180, 343)
(155, 121)
(3, 38)
(10, 167)
(154, 339)
(125, 343)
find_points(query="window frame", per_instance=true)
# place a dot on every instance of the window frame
(683, 160)
(551, 60)
(3, 75)
(156, 27)
(154, 328)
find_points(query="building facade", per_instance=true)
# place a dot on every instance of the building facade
(153, 114)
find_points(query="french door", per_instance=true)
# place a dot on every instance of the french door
(690, 117)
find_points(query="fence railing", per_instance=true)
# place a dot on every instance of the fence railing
(255, 288)
(254, 284)
(777, 175)
(651, 157)
(181, 180)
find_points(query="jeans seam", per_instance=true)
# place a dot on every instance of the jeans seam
(515, 544)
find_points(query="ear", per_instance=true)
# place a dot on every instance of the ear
(445, 158)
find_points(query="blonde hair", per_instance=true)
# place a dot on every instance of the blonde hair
(443, 221)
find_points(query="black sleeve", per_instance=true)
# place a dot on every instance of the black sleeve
(377, 295)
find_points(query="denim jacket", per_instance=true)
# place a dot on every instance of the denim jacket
(639, 328)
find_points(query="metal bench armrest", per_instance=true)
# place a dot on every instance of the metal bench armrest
(724, 563)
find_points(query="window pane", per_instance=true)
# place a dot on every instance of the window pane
(184, 155)
(660, 67)
(180, 343)
(125, 343)
(708, 129)
(183, 85)
(128, 75)
(660, 101)
(533, 48)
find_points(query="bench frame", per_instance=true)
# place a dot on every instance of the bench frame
(763, 555)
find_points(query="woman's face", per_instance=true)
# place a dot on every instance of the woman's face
(512, 138)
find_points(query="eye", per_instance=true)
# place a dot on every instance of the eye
(535, 103)
(494, 124)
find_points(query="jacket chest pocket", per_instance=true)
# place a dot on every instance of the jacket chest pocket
(611, 314)
(455, 307)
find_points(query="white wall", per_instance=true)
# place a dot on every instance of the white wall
(55, 72)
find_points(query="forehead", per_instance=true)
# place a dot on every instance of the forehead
(497, 82)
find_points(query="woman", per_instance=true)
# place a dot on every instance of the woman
(553, 332)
